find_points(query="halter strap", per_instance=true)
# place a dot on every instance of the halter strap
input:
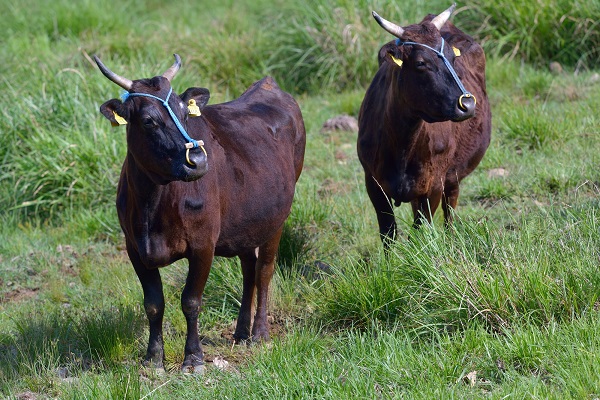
(440, 54)
(165, 103)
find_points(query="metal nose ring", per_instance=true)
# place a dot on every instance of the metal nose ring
(187, 157)
(468, 96)
(189, 146)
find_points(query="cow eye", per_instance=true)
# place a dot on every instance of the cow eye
(148, 122)
(420, 64)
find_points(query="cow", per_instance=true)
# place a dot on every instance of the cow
(220, 184)
(425, 120)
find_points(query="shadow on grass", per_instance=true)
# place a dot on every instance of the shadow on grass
(64, 340)
(295, 244)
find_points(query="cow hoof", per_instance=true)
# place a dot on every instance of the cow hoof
(151, 368)
(261, 336)
(156, 372)
(193, 369)
(193, 364)
(242, 341)
(264, 342)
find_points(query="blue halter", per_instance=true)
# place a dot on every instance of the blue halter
(165, 103)
(440, 54)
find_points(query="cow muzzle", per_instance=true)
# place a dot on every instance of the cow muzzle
(465, 107)
(196, 163)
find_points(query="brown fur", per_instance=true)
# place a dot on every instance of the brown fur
(234, 202)
(408, 145)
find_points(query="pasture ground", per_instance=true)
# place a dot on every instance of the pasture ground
(505, 304)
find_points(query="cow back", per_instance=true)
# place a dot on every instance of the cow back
(257, 150)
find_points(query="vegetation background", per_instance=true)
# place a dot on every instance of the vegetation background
(506, 304)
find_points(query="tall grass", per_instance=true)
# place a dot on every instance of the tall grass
(446, 280)
(537, 31)
(503, 304)
(59, 155)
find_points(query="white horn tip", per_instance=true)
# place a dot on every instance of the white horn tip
(376, 16)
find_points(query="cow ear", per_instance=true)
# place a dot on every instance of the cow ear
(390, 52)
(200, 95)
(112, 110)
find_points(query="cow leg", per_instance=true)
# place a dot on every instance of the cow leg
(191, 301)
(265, 266)
(242, 329)
(449, 202)
(154, 305)
(383, 209)
(425, 207)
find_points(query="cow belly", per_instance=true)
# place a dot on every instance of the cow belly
(252, 227)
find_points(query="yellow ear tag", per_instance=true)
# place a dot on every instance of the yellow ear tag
(120, 120)
(456, 51)
(193, 109)
(396, 60)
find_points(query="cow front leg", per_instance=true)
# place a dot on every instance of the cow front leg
(191, 302)
(425, 207)
(449, 203)
(154, 305)
(265, 266)
(242, 329)
(384, 210)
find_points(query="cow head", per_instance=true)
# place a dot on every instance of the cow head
(157, 125)
(424, 68)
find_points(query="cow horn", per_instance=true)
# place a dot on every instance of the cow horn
(388, 26)
(441, 19)
(119, 80)
(170, 73)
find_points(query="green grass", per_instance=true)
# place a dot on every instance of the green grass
(538, 31)
(503, 304)
(446, 280)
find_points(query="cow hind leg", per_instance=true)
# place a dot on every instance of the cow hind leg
(191, 302)
(265, 266)
(242, 329)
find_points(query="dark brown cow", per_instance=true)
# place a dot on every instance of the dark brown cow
(249, 153)
(425, 121)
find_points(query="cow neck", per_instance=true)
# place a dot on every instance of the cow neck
(407, 145)
(143, 201)
(399, 139)
(139, 180)
(398, 118)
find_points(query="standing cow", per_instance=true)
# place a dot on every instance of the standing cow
(425, 121)
(249, 153)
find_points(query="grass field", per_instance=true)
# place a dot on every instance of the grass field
(504, 305)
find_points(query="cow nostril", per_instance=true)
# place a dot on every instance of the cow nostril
(195, 158)
(467, 102)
